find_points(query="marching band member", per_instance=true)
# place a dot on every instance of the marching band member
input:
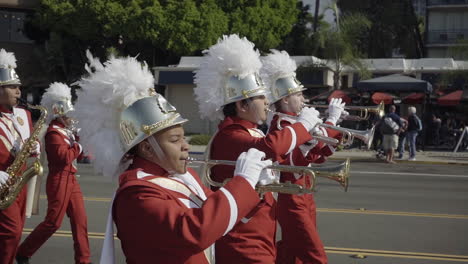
(63, 191)
(296, 213)
(228, 87)
(162, 211)
(15, 129)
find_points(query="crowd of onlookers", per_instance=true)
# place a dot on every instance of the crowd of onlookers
(394, 133)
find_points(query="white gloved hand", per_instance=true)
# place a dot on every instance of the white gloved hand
(36, 150)
(3, 177)
(343, 116)
(268, 176)
(305, 148)
(249, 165)
(309, 118)
(335, 108)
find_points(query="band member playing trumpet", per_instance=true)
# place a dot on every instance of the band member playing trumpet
(296, 213)
(162, 211)
(15, 129)
(63, 191)
(228, 88)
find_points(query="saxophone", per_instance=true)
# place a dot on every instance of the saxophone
(17, 180)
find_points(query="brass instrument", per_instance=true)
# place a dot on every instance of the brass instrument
(338, 173)
(364, 111)
(17, 180)
(326, 140)
(365, 136)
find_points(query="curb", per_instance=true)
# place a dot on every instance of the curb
(375, 160)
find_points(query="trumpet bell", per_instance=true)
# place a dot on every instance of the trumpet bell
(338, 173)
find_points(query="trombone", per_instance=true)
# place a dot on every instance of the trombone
(364, 111)
(338, 173)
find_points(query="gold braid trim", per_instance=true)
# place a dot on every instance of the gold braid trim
(150, 129)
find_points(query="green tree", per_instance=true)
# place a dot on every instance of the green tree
(158, 31)
(340, 44)
(394, 27)
(263, 22)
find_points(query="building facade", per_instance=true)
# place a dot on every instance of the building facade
(446, 27)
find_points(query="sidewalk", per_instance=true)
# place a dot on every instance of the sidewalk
(422, 157)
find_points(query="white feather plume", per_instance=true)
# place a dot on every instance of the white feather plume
(56, 92)
(108, 89)
(232, 55)
(276, 65)
(7, 59)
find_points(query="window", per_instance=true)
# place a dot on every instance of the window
(12, 26)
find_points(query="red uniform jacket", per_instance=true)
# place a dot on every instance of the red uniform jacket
(14, 130)
(62, 149)
(297, 213)
(162, 219)
(252, 240)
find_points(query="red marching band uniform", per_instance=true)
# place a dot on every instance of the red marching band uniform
(300, 241)
(296, 214)
(150, 205)
(15, 127)
(64, 195)
(228, 81)
(252, 240)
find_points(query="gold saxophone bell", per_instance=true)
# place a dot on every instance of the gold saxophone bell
(363, 111)
(338, 173)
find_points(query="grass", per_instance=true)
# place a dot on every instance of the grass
(200, 139)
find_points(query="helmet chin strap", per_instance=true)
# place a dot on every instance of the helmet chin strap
(159, 153)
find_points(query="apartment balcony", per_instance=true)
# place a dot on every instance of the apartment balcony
(433, 4)
(446, 37)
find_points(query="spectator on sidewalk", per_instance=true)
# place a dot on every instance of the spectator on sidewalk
(414, 126)
(402, 137)
(435, 130)
(390, 128)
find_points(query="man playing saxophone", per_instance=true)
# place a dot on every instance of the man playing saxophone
(15, 129)
(296, 213)
(63, 190)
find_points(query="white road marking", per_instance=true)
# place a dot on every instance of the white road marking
(410, 173)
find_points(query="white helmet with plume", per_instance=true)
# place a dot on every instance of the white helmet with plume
(57, 100)
(279, 74)
(8, 74)
(229, 72)
(118, 108)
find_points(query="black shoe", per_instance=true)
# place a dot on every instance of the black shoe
(22, 260)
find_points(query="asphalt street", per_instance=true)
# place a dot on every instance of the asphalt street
(399, 214)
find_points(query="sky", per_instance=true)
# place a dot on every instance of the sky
(323, 5)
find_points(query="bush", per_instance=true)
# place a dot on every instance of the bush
(201, 139)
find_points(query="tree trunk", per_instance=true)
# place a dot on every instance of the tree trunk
(316, 14)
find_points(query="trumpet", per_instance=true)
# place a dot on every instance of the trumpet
(326, 140)
(338, 173)
(364, 111)
(348, 134)
(366, 136)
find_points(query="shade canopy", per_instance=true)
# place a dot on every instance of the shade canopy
(414, 98)
(453, 98)
(394, 83)
(340, 94)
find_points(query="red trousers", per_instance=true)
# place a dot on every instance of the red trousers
(63, 196)
(11, 228)
(300, 240)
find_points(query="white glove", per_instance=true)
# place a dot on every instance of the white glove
(305, 148)
(249, 165)
(309, 118)
(3, 177)
(268, 176)
(343, 116)
(36, 151)
(335, 108)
